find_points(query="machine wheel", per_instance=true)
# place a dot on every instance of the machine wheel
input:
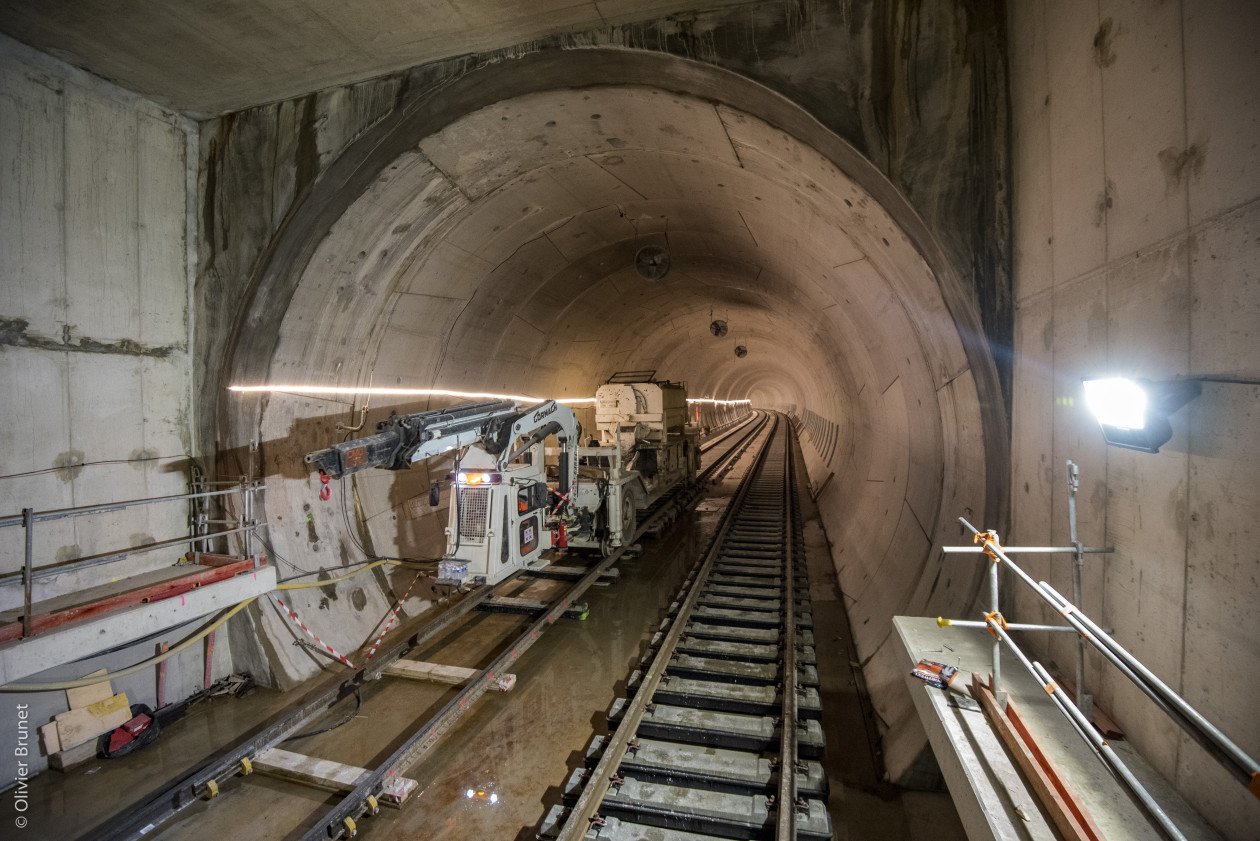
(629, 521)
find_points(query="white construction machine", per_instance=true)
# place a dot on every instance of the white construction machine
(508, 504)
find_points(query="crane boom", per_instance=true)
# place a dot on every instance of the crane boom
(402, 440)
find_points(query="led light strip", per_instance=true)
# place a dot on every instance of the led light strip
(401, 392)
(413, 392)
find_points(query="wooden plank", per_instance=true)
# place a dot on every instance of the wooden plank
(66, 759)
(82, 696)
(1053, 793)
(319, 773)
(152, 593)
(327, 775)
(1034, 747)
(77, 726)
(209, 670)
(161, 676)
(453, 675)
(52, 742)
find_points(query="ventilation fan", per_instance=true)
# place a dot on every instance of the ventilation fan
(652, 262)
(741, 351)
(718, 328)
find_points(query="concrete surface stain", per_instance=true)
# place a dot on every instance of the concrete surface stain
(1178, 163)
(1103, 54)
(69, 465)
(14, 333)
(66, 553)
(141, 454)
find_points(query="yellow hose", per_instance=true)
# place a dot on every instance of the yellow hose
(153, 661)
(130, 670)
(338, 578)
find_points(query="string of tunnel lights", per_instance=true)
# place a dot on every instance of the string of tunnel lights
(438, 392)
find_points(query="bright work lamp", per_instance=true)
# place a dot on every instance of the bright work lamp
(1134, 414)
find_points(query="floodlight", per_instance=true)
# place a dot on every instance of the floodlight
(1133, 414)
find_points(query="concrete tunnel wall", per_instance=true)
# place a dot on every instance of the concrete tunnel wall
(1137, 218)
(493, 253)
(95, 361)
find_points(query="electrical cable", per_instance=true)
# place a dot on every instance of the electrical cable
(345, 517)
(130, 670)
(153, 661)
(358, 702)
(91, 464)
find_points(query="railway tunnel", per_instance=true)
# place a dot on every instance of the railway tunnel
(835, 184)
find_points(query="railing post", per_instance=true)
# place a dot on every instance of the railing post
(28, 573)
(247, 497)
(997, 643)
(1084, 702)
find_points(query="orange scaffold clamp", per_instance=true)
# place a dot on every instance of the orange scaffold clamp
(989, 539)
(997, 619)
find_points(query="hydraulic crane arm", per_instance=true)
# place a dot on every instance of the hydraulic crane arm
(494, 424)
(404, 439)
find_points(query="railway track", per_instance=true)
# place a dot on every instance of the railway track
(146, 817)
(719, 738)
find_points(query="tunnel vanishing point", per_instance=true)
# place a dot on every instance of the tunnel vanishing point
(924, 221)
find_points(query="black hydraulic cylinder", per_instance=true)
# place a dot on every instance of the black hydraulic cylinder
(564, 471)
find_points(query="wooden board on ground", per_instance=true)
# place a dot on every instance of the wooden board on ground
(66, 759)
(326, 774)
(76, 726)
(52, 742)
(320, 773)
(82, 696)
(1061, 804)
(454, 675)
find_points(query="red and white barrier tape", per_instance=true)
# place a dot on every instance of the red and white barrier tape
(392, 617)
(322, 644)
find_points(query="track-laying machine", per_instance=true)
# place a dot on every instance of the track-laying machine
(508, 503)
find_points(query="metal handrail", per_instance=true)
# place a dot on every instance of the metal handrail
(245, 524)
(83, 510)
(1230, 756)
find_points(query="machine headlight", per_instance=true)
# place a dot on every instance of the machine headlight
(479, 477)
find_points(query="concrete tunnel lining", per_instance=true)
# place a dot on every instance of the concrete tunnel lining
(469, 260)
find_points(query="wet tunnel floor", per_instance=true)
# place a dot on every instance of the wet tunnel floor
(514, 750)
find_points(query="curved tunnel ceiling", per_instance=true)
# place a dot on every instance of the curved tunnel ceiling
(496, 254)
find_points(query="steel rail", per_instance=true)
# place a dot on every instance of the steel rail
(727, 433)
(785, 819)
(342, 816)
(584, 811)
